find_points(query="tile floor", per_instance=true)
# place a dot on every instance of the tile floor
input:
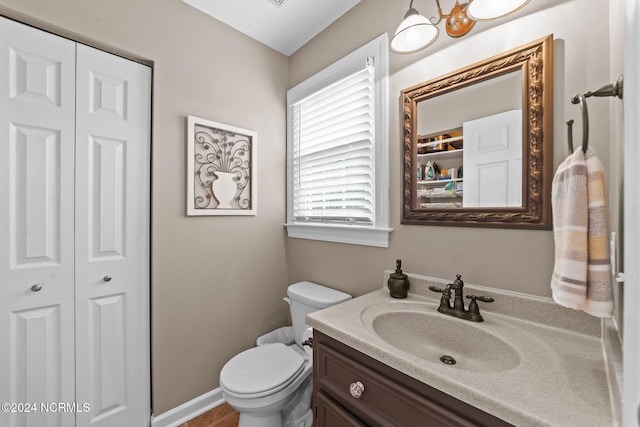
(220, 416)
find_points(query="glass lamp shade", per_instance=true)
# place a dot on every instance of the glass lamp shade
(490, 9)
(414, 33)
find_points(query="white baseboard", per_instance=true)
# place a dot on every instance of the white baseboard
(189, 410)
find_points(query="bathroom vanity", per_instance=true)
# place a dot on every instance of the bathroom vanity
(377, 362)
(389, 397)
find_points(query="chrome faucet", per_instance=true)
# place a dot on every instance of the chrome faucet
(458, 310)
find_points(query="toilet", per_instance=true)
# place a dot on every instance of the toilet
(270, 385)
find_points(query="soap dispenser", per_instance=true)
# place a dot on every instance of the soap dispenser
(398, 282)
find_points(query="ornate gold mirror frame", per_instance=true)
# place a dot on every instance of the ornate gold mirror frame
(535, 60)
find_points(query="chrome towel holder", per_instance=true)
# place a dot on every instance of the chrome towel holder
(612, 89)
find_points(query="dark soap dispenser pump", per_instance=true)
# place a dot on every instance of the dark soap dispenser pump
(398, 282)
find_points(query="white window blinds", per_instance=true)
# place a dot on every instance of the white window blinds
(334, 153)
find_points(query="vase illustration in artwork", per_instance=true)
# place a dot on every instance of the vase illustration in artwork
(224, 189)
(222, 165)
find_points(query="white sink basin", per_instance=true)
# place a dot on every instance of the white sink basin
(419, 330)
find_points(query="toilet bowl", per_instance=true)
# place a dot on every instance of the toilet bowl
(265, 384)
(270, 385)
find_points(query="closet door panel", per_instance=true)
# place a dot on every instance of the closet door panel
(106, 206)
(37, 121)
(112, 239)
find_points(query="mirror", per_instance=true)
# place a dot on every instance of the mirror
(478, 143)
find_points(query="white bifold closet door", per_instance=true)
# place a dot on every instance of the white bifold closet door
(112, 239)
(74, 233)
(37, 274)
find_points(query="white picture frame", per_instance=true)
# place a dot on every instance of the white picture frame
(221, 169)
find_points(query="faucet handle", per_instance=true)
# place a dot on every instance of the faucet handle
(474, 311)
(446, 296)
(446, 291)
(473, 298)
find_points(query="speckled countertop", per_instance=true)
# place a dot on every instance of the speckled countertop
(561, 369)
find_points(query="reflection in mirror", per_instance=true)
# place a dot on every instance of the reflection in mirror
(485, 121)
(477, 143)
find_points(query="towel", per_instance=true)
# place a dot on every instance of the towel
(582, 271)
(570, 224)
(599, 286)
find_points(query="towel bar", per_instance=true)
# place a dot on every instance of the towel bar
(613, 89)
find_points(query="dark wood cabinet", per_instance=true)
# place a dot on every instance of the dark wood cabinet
(389, 397)
(329, 413)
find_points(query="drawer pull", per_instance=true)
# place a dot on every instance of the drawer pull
(356, 389)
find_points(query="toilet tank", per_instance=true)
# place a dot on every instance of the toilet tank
(307, 297)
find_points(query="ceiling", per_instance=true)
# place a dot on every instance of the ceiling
(283, 25)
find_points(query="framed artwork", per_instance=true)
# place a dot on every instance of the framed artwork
(221, 167)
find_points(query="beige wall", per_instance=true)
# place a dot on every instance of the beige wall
(217, 282)
(518, 260)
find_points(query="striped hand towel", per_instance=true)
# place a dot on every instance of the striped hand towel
(599, 288)
(581, 275)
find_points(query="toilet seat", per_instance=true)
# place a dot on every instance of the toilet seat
(261, 371)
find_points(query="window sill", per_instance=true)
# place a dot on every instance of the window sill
(354, 235)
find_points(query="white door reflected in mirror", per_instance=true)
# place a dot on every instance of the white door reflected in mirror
(492, 161)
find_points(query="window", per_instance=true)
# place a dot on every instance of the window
(337, 151)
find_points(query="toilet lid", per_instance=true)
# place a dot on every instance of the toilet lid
(260, 369)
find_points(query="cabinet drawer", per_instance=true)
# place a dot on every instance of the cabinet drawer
(383, 402)
(330, 414)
